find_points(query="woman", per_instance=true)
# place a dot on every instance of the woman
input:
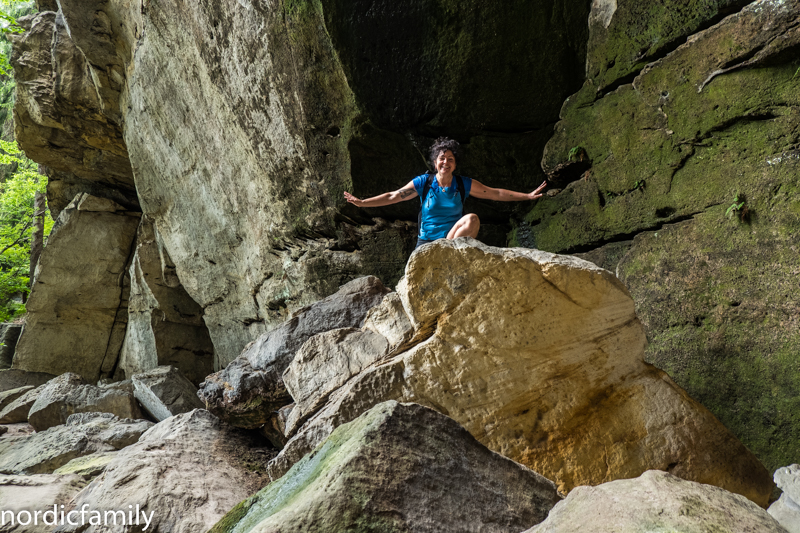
(443, 205)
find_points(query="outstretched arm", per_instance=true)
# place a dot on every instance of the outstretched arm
(479, 190)
(401, 195)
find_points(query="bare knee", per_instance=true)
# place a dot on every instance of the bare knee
(467, 226)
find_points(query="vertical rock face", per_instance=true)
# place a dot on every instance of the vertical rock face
(76, 314)
(245, 122)
(165, 326)
(692, 160)
(61, 121)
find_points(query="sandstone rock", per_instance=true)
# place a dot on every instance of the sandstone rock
(17, 411)
(36, 493)
(88, 466)
(60, 118)
(672, 135)
(165, 326)
(7, 397)
(398, 467)
(787, 509)
(9, 334)
(656, 501)
(188, 470)
(539, 356)
(68, 394)
(84, 434)
(390, 320)
(14, 379)
(326, 362)
(165, 392)
(83, 268)
(249, 390)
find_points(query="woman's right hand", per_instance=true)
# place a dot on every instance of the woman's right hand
(353, 200)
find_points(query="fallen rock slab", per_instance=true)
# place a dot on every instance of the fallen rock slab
(84, 434)
(656, 501)
(6, 397)
(88, 466)
(69, 394)
(14, 378)
(186, 472)
(398, 467)
(164, 392)
(17, 411)
(540, 357)
(250, 389)
(787, 509)
(22, 496)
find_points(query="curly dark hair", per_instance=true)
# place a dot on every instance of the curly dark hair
(443, 144)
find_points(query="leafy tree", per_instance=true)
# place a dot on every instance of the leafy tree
(17, 218)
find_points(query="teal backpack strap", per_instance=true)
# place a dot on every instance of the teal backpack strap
(425, 189)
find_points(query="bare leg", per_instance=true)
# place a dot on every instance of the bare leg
(467, 226)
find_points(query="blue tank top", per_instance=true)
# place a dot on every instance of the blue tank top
(442, 208)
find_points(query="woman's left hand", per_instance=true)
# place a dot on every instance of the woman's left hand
(538, 192)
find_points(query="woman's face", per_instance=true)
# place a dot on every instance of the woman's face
(445, 162)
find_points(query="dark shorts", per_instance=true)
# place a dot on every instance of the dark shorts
(420, 242)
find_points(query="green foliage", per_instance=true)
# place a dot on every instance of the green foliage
(16, 227)
(576, 153)
(737, 206)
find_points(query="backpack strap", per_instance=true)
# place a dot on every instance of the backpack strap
(461, 190)
(426, 187)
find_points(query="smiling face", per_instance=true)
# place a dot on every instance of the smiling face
(445, 163)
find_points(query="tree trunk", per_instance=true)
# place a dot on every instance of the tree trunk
(37, 239)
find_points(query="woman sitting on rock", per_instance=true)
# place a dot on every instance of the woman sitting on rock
(441, 215)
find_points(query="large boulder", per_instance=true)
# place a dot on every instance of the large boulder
(185, 473)
(83, 269)
(69, 394)
(83, 434)
(656, 501)
(165, 326)
(164, 392)
(250, 389)
(787, 509)
(398, 467)
(29, 494)
(686, 146)
(540, 357)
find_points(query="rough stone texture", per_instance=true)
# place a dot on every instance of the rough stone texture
(7, 397)
(84, 434)
(9, 334)
(60, 119)
(325, 363)
(269, 110)
(539, 356)
(88, 466)
(390, 320)
(250, 389)
(787, 509)
(17, 411)
(656, 501)
(76, 310)
(398, 467)
(164, 392)
(69, 394)
(36, 493)
(165, 326)
(189, 469)
(14, 379)
(708, 122)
